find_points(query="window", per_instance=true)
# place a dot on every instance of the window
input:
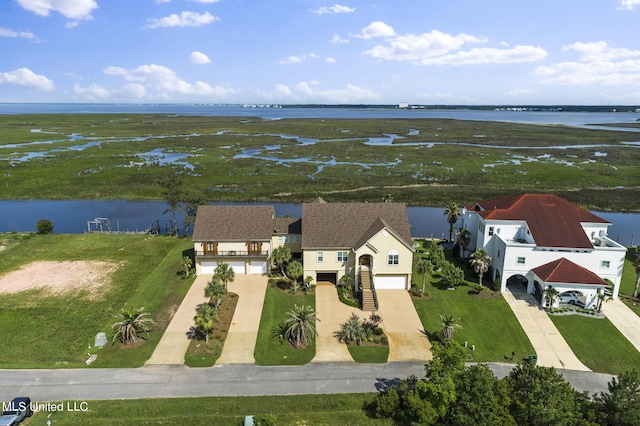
(605, 264)
(393, 258)
(490, 230)
(282, 239)
(343, 256)
(320, 256)
(520, 261)
(298, 238)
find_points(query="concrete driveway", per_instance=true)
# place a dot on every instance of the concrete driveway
(624, 319)
(400, 321)
(241, 340)
(331, 313)
(550, 347)
(175, 342)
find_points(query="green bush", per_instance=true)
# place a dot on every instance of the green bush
(347, 297)
(44, 226)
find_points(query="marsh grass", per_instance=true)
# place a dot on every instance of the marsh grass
(415, 174)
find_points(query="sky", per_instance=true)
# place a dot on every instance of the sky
(452, 52)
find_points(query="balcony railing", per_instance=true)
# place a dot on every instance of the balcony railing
(232, 253)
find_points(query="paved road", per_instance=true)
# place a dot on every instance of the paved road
(156, 381)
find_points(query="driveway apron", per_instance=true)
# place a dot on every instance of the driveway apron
(550, 347)
(402, 325)
(175, 342)
(240, 343)
(331, 313)
(624, 319)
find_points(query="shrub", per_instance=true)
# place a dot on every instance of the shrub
(44, 226)
(384, 340)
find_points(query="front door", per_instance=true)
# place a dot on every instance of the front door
(255, 247)
(210, 248)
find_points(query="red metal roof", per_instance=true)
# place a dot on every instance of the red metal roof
(565, 271)
(553, 221)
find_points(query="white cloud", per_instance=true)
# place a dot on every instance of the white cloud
(205, 1)
(628, 4)
(26, 78)
(336, 8)
(163, 1)
(308, 91)
(199, 58)
(8, 32)
(72, 9)
(520, 92)
(375, 29)
(94, 91)
(330, 61)
(487, 55)
(71, 25)
(598, 64)
(163, 80)
(336, 39)
(185, 19)
(294, 59)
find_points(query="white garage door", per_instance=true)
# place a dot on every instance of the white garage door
(238, 267)
(390, 282)
(208, 267)
(258, 268)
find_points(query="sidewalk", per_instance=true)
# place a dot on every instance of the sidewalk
(174, 342)
(624, 319)
(550, 347)
(240, 343)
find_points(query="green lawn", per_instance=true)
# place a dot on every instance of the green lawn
(39, 329)
(337, 409)
(597, 343)
(487, 322)
(369, 354)
(269, 350)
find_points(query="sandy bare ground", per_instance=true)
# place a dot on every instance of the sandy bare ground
(60, 277)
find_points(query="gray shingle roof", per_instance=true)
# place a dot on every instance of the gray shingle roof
(234, 223)
(344, 225)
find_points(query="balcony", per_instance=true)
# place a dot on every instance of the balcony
(232, 253)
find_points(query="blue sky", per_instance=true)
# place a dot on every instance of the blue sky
(309, 51)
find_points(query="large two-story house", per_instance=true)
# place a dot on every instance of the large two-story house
(543, 240)
(331, 239)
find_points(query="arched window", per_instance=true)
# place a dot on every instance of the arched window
(393, 257)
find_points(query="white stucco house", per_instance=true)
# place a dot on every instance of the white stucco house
(541, 240)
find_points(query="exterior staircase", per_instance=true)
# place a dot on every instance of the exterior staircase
(368, 291)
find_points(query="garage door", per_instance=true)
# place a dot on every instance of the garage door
(390, 282)
(208, 267)
(331, 277)
(258, 268)
(238, 267)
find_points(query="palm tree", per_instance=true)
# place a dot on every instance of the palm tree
(550, 294)
(133, 322)
(636, 266)
(388, 198)
(449, 324)
(480, 261)
(205, 319)
(452, 211)
(300, 326)
(464, 239)
(215, 288)
(187, 264)
(424, 267)
(600, 297)
(224, 272)
(352, 330)
(280, 256)
(295, 272)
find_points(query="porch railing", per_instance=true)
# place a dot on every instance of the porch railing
(232, 253)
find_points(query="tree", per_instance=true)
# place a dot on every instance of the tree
(437, 257)
(636, 266)
(621, 405)
(44, 226)
(550, 294)
(295, 272)
(464, 239)
(425, 268)
(191, 200)
(351, 330)
(481, 399)
(388, 198)
(205, 319)
(215, 289)
(540, 396)
(187, 264)
(480, 261)
(225, 273)
(281, 255)
(307, 282)
(449, 324)
(172, 193)
(300, 326)
(453, 275)
(452, 211)
(133, 322)
(345, 280)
